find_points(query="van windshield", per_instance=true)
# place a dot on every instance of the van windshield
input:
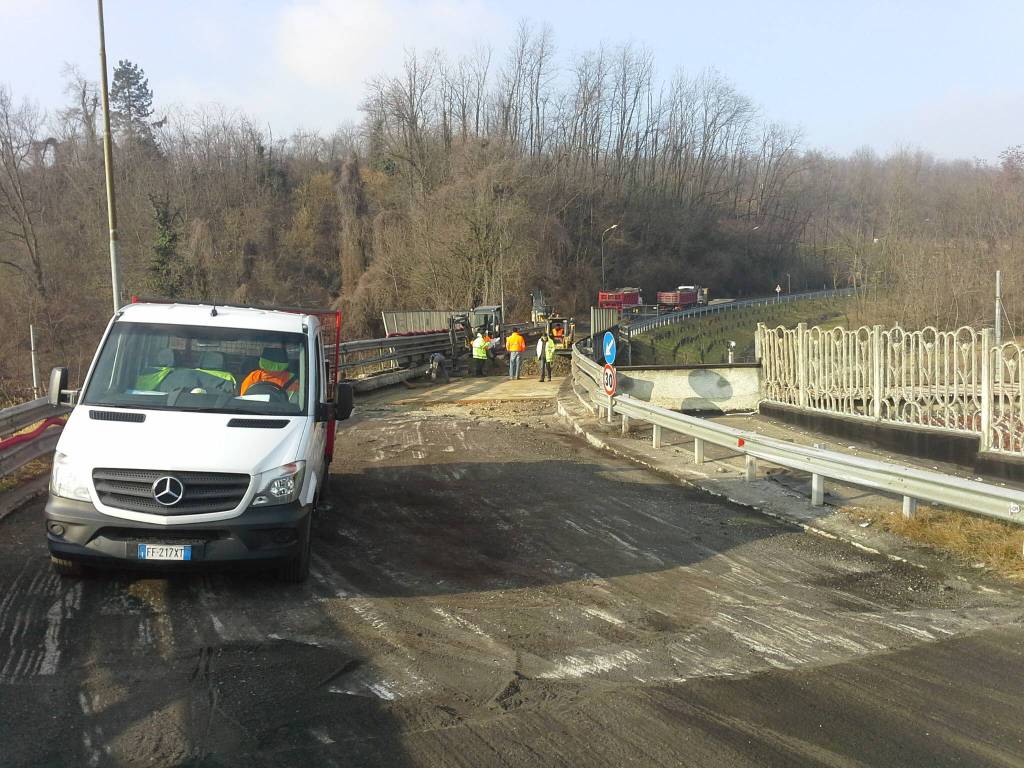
(199, 368)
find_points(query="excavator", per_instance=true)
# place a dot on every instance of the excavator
(562, 330)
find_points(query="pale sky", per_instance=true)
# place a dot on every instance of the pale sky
(941, 75)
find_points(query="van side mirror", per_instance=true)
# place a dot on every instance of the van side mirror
(58, 385)
(343, 401)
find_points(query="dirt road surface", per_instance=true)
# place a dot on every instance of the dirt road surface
(488, 592)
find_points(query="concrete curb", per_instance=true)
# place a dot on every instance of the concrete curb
(905, 552)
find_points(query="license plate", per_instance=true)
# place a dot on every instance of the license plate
(165, 551)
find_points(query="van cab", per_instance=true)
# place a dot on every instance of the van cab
(201, 434)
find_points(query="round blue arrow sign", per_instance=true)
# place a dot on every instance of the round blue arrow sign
(609, 347)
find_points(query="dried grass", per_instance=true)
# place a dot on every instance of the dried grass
(31, 470)
(971, 540)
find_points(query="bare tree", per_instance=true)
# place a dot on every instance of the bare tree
(22, 189)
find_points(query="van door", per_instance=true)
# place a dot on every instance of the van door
(318, 445)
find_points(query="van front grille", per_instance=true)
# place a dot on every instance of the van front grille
(202, 492)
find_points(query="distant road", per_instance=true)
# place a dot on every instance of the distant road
(488, 592)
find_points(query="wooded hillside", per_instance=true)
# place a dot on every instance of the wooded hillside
(469, 179)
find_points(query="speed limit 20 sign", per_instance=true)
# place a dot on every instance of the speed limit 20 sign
(609, 379)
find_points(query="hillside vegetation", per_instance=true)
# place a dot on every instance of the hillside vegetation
(471, 180)
(706, 339)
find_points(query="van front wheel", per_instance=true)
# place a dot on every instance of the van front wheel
(296, 570)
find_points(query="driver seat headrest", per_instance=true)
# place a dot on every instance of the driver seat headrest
(212, 361)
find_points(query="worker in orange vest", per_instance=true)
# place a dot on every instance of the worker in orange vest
(558, 333)
(516, 345)
(274, 371)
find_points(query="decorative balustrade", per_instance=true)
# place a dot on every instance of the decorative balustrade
(956, 380)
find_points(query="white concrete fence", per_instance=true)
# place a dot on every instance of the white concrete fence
(959, 380)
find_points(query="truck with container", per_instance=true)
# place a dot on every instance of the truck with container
(622, 299)
(683, 297)
(202, 434)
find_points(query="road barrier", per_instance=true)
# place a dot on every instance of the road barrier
(911, 483)
(369, 357)
(643, 326)
(17, 450)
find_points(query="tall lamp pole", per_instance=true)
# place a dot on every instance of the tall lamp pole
(613, 226)
(108, 168)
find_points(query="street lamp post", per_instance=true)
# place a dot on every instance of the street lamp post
(108, 167)
(789, 283)
(613, 226)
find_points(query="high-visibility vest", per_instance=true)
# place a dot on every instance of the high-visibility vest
(515, 343)
(286, 380)
(150, 380)
(550, 349)
(479, 349)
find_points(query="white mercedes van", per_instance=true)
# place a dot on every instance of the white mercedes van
(201, 434)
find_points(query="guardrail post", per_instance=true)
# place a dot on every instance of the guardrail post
(698, 451)
(802, 361)
(877, 372)
(656, 437)
(987, 390)
(817, 490)
(625, 424)
(909, 507)
(750, 471)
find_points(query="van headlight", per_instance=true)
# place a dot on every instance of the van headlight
(279, 486)
(68, 480)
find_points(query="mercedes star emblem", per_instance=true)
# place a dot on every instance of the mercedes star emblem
(168, 490)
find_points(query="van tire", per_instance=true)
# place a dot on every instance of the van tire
(72, 569)
(296, 570)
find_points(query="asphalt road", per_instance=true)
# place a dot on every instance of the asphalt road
(488, 593)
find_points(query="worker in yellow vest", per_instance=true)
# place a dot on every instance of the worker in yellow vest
(546, 347)
(479, 354)
(516, 345)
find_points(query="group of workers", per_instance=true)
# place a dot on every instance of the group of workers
(515, 345)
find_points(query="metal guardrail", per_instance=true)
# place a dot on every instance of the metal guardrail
(18, 456)
(19, 450)
(643, 326)
(24, 415)
(372, 356)
(911, 483)
(367, 357)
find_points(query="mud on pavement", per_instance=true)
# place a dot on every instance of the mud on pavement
(488, 591)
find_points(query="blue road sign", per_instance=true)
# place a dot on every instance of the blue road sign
(609, 347)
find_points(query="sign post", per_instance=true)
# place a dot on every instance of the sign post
(610, 381)
(778, 293)
(610, 348)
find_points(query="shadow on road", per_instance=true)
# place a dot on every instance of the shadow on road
(426, 529)
(229, 669)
